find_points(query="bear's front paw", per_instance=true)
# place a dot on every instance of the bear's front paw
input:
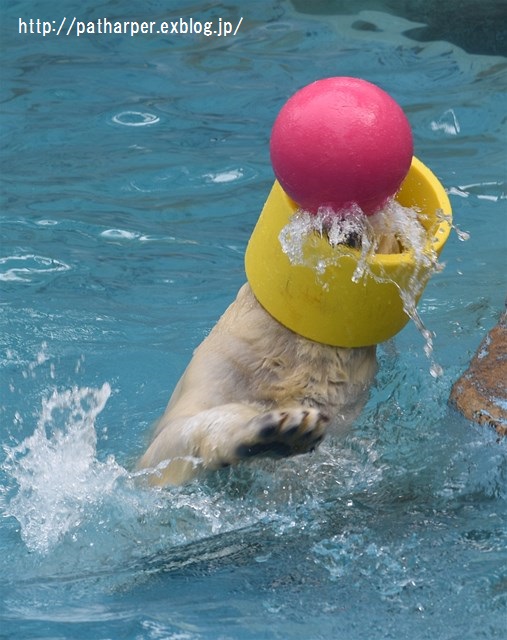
(283, 433)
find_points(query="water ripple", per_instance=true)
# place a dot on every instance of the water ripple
(135, 119)
(22, 268)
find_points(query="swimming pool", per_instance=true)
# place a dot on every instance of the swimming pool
(134, 169)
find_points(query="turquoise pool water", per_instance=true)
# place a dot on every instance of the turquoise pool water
(133, 172)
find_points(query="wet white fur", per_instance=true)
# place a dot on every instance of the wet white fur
(253, 387)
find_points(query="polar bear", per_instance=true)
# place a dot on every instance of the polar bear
(255, 388)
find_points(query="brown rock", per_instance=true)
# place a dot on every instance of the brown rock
(481, 392)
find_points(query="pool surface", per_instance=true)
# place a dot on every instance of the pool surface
(133, 171)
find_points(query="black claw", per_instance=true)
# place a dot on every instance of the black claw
(283, 418)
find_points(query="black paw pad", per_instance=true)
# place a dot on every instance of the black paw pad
(274, 449)
(267, 432)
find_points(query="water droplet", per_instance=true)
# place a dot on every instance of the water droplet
(436, 370)
(463, 236)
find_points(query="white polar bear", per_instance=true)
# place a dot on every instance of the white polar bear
(255, 388)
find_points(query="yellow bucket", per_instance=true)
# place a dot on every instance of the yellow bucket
(330, 307)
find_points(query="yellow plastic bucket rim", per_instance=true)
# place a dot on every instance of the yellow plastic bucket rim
(441, 231)
(342, 313)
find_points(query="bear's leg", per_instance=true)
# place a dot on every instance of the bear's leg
(225, 435)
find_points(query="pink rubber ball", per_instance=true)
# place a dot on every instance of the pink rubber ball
(341, 141)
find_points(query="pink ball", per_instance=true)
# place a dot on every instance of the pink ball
(340, 141)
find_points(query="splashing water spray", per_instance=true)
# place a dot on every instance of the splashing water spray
(56, 471)
(354, 224)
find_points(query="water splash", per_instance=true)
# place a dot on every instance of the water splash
(73, 509)
(56, 470)
(392, 230)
